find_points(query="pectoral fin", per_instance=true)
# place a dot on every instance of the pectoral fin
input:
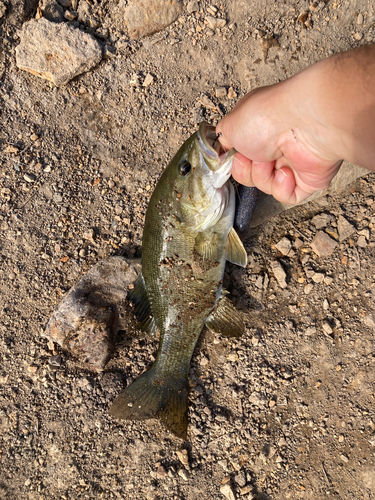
(207, 248)
(225, 319)
(142, 309)
(235, 250)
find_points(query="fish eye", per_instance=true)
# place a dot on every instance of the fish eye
(185, 168)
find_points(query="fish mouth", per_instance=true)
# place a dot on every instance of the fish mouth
(210, 140)
(218, 161)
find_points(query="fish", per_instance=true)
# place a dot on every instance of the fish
(188, 237)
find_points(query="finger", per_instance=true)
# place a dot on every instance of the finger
(241, 170)
(262, 174)
(224, 141)
(281, 183)
(284, 186)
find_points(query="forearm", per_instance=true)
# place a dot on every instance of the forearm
(340, 97)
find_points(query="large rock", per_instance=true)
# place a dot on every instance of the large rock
(267, 207)
(88, 319)
(56, 52)
(145, 17)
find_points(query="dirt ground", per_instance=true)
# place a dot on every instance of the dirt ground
(286, 411)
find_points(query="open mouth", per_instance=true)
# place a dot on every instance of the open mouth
(211, 139)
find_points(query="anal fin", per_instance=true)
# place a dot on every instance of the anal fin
(225, 319)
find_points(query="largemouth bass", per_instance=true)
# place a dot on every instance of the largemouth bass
(188, 236)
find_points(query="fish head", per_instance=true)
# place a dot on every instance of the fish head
(201, 170)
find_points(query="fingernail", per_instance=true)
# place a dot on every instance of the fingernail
(238, 165)
(280, 176)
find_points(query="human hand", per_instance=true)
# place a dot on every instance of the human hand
(284, 149)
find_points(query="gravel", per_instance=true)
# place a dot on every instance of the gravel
(268, 408)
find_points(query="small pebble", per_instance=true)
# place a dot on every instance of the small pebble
(183, 456)
(192, 6)
(361, 242)
(365, 233)
(360, 19)
(70, 16)
(320, 221)
(246, 490)
(29, 177)
(148, 80)
(284, 246)
(184, 474)
(211, 22)
(55, 360)
(323, 245)
(279, 273)
(345, 229)
(318, 278)
(344, 458)
(227, 491)
(57, 198)
(259, 282)
(220, 92)
(327, 328)
(240, 478)
(358, 36)
(231, 93)
(303, 16)
(89, 235)
(212, 9)
(220, 23)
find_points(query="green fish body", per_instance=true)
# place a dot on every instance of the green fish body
(188, 236)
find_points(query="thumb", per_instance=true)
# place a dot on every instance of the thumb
(224, 141)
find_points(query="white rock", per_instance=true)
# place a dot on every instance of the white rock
(279, 273)
(227, 491)
(56, 52)
(148, 80)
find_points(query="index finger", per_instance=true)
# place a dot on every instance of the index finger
(224, 141)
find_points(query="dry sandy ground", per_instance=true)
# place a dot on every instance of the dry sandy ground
(286, 411)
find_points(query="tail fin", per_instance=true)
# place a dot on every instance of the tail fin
(152, 397)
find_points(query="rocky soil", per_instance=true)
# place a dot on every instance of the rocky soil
(285, 412)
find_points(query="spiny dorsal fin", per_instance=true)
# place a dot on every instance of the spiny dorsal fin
(142, 309)
(225, 319)
(235, 250)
